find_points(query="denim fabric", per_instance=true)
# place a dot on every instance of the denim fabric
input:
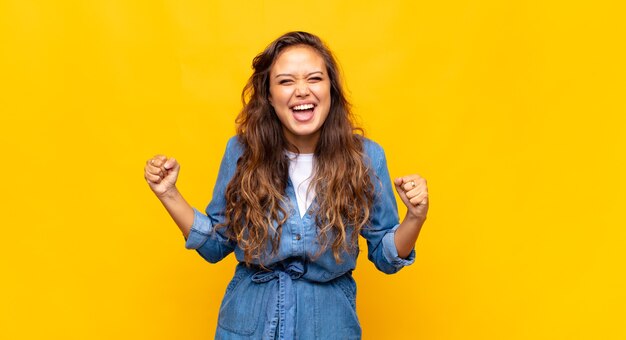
(301, 296)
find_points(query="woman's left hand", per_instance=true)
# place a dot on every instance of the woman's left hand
(413, 191)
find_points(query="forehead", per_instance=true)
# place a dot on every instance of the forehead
(298, 59)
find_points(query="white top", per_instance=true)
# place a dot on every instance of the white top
(300, 173)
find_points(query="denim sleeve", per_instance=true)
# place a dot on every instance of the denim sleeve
(381, 247)
(212, 244)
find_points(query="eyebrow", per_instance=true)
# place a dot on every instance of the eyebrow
(291, 75)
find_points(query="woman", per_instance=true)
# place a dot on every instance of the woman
(295, 188)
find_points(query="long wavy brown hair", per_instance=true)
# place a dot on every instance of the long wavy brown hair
(257, 206)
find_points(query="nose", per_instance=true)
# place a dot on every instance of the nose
(302, 89)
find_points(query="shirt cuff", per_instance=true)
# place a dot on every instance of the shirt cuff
(200, 230)
(390, 252)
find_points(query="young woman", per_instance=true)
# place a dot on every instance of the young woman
(295, 189)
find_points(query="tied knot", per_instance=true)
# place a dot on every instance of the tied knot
(282, 297)
(294, 271)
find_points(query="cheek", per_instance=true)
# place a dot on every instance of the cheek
(322, 91)
(279, 96)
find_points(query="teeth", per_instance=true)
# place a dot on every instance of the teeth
(303, 107)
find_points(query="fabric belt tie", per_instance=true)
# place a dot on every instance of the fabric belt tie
(283, 299)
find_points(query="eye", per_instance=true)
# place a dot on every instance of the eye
(285, 81)
(315, 79)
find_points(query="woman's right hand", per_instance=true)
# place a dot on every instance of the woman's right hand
(161, 174)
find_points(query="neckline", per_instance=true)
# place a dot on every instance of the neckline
(300, 156)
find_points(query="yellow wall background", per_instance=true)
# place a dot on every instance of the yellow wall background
(513, 111)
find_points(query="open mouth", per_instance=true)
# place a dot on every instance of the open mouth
(303, 112)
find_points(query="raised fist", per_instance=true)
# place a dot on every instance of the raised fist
(413, 191)
(161, 174)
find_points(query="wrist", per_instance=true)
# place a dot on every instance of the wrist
(414, 219)
(169, 194)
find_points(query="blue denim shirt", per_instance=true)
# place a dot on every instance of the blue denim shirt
(303, 296)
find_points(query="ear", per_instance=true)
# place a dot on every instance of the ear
(269, 99)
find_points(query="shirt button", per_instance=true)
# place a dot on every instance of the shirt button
(298, 237)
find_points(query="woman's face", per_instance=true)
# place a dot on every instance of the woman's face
(300, 95)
